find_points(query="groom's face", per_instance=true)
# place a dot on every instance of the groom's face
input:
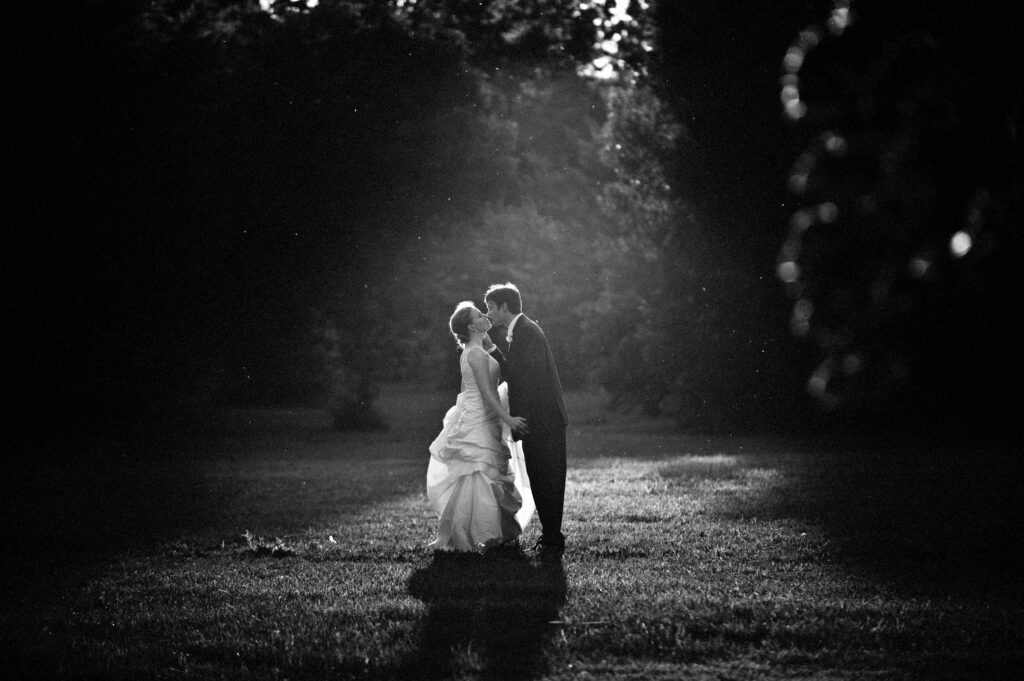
(497, 315)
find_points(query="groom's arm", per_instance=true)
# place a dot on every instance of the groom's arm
(497, 354)
(530, 360)
(537, 377)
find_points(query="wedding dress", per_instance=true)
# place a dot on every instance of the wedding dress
(476, 479)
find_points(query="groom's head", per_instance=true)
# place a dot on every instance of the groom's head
(503, 303)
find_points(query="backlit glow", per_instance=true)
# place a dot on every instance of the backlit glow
(265, 4)
(613, 22)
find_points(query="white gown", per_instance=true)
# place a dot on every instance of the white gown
(476, 479)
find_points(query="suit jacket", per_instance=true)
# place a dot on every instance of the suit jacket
(534, 390)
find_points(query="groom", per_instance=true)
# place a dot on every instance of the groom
(535, 393)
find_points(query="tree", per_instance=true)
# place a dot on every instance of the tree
(904, 260)
(257, 169)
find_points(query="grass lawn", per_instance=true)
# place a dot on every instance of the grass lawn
(690, 557)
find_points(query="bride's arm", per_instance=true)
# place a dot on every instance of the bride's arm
(478, 363)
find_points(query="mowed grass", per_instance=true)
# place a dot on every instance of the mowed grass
(690, 557)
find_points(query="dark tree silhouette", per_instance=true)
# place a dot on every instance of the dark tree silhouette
(903, 260)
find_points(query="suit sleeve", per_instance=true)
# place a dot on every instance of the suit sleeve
(530, 369)
(498, 355)
(536, 376)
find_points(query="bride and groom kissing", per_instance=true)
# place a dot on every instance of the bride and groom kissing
(501, 450)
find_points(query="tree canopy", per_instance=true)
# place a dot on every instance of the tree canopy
(235, 200)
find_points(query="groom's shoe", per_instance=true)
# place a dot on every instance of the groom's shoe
(551, 554)
(548, 553)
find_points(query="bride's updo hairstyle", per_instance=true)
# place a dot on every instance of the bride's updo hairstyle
(459, 323)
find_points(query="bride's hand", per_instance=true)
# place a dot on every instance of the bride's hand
(518, 425)
(487, 343)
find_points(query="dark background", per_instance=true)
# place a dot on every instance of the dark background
(212, 205)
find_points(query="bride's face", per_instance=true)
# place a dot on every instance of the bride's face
(479, 322)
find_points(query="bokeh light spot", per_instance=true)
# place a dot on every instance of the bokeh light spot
(978, 205)
(835, 144)
(839, 20)
(817, 384)
(960, 244)
(919, 267)
(828, 212)
(809, 38)
(796, 109)
(852, 363)
(800, 321)
(803, 308)
(791, 249)
(793, 60)
(801, 220)
(788, 271)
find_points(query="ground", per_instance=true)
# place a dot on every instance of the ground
(266, 545)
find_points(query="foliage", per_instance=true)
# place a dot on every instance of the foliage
(903, 259)
(329, 139)
(675, 326)
(344, 345)
(645, 230)
(594, 241)
(546, 192)
(257, 547)
(270, 185)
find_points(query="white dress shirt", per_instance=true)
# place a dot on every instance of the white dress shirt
(512, 325)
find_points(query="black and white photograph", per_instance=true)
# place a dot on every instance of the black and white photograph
(528, 340)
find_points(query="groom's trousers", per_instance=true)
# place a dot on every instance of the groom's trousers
(544, 452)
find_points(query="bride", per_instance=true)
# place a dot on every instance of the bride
(476, 479)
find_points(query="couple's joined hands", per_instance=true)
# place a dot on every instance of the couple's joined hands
(518, 425)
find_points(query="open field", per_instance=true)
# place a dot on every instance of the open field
(690, 557)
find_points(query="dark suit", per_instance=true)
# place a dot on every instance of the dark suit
(535, 393)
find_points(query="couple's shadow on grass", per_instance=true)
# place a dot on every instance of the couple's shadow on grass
(490, 614)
